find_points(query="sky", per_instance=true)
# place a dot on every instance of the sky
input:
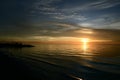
(48, 20)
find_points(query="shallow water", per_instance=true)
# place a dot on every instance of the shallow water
(70, 62)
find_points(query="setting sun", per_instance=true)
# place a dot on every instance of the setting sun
(85, 40)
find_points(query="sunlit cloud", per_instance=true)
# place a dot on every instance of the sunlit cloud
(85, 31)
(70, 26)
(50, 38)
(85, 24)
(70, 16)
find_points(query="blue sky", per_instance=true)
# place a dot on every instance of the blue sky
(59, 18)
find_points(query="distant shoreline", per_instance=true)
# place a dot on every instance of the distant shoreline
(14, 44)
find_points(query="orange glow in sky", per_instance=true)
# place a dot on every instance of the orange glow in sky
(85, 40)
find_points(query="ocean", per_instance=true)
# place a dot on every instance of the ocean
(67, 62)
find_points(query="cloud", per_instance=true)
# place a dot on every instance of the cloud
(36, 32)
(45, 5)
(70, 16)
(51, 10)
(53, 27)
(69, 12)
(114, 25)
(85, 31)
(47, 2)
(102, 34)
(104, 21)
(66, 25)
(60, 18)
(93, 5)
(104, 4)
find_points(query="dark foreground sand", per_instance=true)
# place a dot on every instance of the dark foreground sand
(13, 69)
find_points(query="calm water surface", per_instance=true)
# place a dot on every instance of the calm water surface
(71, 62)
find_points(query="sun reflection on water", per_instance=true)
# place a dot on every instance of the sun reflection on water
(85, 47)
(85, 44)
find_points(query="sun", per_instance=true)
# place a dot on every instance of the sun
(85, 40)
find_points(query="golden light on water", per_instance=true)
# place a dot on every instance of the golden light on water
(85, 43)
